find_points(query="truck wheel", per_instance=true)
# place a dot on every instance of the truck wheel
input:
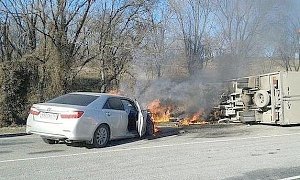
(262, 98)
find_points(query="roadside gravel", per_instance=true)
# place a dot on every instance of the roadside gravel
(12, 130)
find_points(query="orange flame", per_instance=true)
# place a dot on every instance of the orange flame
(196, 118)
(160, 113)
(156, 129)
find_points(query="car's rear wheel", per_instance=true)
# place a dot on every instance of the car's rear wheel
(49, 141)
(101, 136)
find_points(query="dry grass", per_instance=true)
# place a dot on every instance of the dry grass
(12, 130)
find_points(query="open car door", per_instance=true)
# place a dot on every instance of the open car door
(141, 121)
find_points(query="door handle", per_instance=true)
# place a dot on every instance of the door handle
(107, 113)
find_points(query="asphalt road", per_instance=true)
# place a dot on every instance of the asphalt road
(225, 152)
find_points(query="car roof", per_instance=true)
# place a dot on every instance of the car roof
(99, 94)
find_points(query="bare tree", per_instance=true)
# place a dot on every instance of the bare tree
(23, 22)
(193, 18)
(118, 30)
(29, 43)
(288, 46)
(239, 25)
(156, 43)
(240, 22)
(66, 22)
(52, 34)
(6, 46)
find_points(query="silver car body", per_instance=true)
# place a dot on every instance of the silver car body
(48, 119)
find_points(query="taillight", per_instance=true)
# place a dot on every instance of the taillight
(34, 111)
(72, 115)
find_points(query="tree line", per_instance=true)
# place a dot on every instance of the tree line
(47, 46)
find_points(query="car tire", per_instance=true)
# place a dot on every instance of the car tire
(101, 136)
(149, 134)
(49, 141)
(149, 127)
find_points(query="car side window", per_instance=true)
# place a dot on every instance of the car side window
(114, 103)
(128, 105)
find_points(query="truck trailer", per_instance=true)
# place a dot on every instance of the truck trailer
(272, 98)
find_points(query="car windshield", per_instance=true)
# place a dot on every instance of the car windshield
(74, 99)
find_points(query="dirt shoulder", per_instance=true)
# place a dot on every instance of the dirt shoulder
(12, 130)
(236, 130)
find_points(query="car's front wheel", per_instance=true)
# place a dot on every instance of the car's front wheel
(150, 127)
(101, 136)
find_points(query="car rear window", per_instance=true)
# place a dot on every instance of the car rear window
(74, 99)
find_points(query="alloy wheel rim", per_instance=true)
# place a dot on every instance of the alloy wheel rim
(101, 136)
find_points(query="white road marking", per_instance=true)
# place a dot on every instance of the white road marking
(291, 178)
(145, 147)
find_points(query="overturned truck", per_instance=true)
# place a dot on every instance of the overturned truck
(272, 98)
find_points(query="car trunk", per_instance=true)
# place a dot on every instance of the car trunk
(51, 113)
(49, 119)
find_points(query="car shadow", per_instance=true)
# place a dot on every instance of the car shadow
(163, 132)
(13, 135)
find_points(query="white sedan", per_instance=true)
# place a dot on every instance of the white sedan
(95, 118)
